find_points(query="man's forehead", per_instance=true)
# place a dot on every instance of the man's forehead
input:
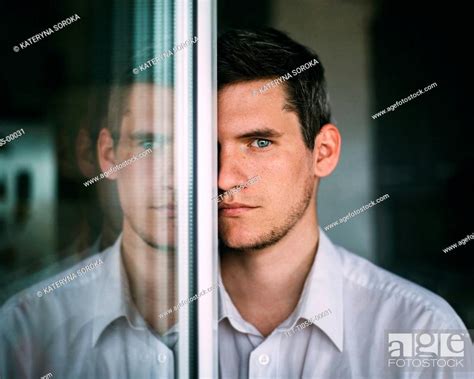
(241, 114)
(149, 99)
(149, 94)
(148, 110)
(245, 90)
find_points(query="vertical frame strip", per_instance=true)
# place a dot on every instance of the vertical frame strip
(206, 183)
(184, 178)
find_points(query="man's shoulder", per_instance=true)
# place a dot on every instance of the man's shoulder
(64, 290)
(43, 321)
(381, 288)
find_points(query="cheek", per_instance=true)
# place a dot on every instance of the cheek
(287, 177)
(140, 173)
(134, 188)
(302, 170)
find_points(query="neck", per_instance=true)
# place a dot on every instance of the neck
(265, 285)
(151, 276)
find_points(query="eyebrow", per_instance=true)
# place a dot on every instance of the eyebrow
(149, 136)
(262, 133)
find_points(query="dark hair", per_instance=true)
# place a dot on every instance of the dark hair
(245, 55)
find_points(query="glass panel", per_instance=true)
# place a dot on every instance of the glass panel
(98, 251)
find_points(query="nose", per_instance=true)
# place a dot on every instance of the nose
(233, 168)
(162, 168)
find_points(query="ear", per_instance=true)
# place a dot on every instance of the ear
(106, 152)
(327, 148)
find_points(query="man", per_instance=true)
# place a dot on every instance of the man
(295, 305)
(100, 318)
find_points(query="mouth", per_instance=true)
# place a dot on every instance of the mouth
(234, 209)
(168, 209)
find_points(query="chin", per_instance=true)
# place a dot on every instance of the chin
(238, 241)
(162, 241)
(161, 245)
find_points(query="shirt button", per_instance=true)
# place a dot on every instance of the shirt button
(264, 359)
(162, 358)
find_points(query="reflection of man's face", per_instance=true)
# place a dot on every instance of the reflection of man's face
(146, 185)
(258, 137)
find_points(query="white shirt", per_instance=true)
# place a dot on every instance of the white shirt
(85, 328)
(349, 340)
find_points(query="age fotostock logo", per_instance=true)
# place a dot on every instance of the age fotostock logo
(427, 350)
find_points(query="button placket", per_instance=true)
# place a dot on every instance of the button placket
(162, 358)
(263, 359)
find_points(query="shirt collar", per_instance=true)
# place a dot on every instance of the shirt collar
(227, 309)
(113, 299)
(323, 290)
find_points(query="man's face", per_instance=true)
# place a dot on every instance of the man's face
(146, 185)
(257, 136)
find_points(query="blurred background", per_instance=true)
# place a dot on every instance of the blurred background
(374, 53)
(48, 219)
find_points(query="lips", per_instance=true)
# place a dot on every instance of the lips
(165, 206)
(234, 209)
(168, 208)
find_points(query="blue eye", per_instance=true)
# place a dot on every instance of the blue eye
(147, 145)
(261, 143)
(155, 143)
